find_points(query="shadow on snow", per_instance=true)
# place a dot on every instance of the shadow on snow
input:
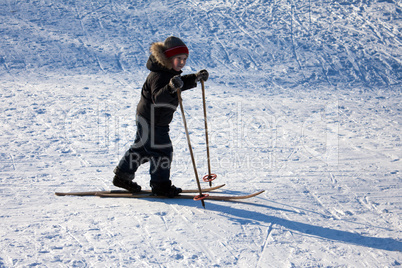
(242, 215)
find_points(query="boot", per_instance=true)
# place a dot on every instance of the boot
(125, 181)
(165, 188)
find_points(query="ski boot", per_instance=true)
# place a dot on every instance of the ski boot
(165, 188)
(125, 181)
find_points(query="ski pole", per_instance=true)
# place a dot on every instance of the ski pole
(210, 177)
(201, 196)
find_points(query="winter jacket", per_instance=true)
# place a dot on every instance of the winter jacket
(157, 104)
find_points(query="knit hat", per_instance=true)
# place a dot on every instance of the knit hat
(174, 46)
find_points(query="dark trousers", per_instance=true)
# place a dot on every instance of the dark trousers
(152, 144)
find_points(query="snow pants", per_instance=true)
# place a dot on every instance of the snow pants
(152, 144)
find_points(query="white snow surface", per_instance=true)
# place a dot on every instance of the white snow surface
(303, 101)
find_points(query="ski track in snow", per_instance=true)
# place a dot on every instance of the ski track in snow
(304, 101)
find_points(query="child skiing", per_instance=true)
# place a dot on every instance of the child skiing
(159, 101)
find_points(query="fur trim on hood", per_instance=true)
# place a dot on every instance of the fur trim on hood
(157, 50)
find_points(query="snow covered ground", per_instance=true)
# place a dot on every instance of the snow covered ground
(304, 101)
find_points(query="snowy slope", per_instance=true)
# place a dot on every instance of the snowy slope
(304, 101)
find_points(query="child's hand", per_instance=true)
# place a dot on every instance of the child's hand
(202, 75)
(175, 83)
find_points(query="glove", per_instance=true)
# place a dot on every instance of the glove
(202, 75)
(175, 83)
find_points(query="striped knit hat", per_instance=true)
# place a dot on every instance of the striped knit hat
(174, 46)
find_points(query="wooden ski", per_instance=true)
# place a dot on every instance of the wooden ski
(98, 193)
(209, 197)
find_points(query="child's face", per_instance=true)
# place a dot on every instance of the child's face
(179, 62)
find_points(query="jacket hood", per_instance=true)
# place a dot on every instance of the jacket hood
(157, 54)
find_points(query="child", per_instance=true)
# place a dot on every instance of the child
(155, 111)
